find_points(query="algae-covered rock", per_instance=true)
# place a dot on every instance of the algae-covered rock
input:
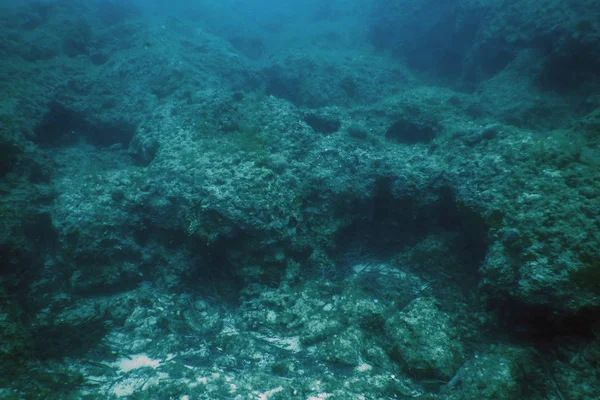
(293, 215)
(318, 329)
(343, 348)
(425, 341)
(500, 374)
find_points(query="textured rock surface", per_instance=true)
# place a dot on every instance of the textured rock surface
(425, 340)
(400, 210)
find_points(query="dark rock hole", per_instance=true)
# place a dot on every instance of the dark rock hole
(407, 132)
(61, 126)
(392, 225)
(541, 326)
(322, 124)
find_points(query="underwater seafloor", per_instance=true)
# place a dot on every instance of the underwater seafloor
(370, 200)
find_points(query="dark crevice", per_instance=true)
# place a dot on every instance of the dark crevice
(570, 67)
(322, 123)
(68, 340)
(540, 325)
(61, 126)
(215, 275)
(407, 132)
(394, 225)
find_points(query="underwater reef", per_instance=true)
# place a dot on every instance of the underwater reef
(327, 200)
